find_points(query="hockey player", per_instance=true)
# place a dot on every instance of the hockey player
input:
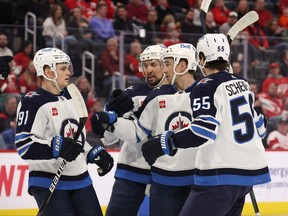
(167, 108)
(46, 123)
(227, 132)
(132, 173)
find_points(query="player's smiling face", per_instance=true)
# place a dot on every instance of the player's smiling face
(152, 71)
(63, 75)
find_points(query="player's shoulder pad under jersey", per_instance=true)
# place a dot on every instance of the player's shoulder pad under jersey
(137, 90)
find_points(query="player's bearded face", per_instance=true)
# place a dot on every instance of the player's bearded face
(63, 75)
(152, 70)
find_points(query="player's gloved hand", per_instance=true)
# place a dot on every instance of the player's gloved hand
(157, 146)
(119, 103)
(4, 66)
(101, 121)
(102, 158)
(66, 148)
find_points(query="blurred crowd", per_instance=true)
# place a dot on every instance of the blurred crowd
(95, 25)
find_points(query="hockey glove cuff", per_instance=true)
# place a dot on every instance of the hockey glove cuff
(66, 148)
(157, 146)
(102, 158)
(101, 121)
(119, 103)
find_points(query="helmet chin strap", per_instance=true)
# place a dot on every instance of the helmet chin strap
(201, 68)
(158, 84)
(54, 81)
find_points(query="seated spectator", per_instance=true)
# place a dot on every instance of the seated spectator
(163, 8)
(173, 35)
(111, 67)
(211, 24)
(137, 11)
(265, 16)
(277, 36)
(282, 4)
(122, 23)
(8, 115)
(153, 30)
(4, 49)
(54, 28)
(28, 81)
(254, 86)
(283, 19)
(23, 57)
(272, 106)
(232, 19)
(83, 84)
(78, 26)
(258, 42)
(188, 28)
(135, 51)
(220, 12)
(46, 5)
(168, 20)
(101, 26)
(242, 8)
(278, 139)
(237, 69)
(274, 76)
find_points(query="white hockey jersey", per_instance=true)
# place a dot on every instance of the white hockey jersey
(164, 109)
(131, 164)
(227, 131)
(41, 116)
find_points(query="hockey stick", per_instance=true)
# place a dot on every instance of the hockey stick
(254, 203)
(203, 12)
(83, 115)
(245, 21)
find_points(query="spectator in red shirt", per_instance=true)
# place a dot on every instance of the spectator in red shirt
(220, 12)
(272, 106)
(135, 50)
(283, 19)
(137, 11)
(8, 115)
(265, 16)
(28, 81)
(278, 139)
(23, 56)
(281, 5)
(274, 76)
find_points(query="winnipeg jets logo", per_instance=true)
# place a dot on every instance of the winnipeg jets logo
(177, 121)
(204, 81)
(31, 94)
(69, 129)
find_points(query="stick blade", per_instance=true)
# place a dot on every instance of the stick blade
(79, 101)
(205, 5)
(248, 19)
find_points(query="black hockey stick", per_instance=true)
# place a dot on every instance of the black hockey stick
(83, 115)
(203, 12)
(254, 203)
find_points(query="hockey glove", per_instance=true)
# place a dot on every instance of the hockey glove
(4, 66)
(119, 103)
(157, 146)
(102, 158)
(66, 148)
(101, 121)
